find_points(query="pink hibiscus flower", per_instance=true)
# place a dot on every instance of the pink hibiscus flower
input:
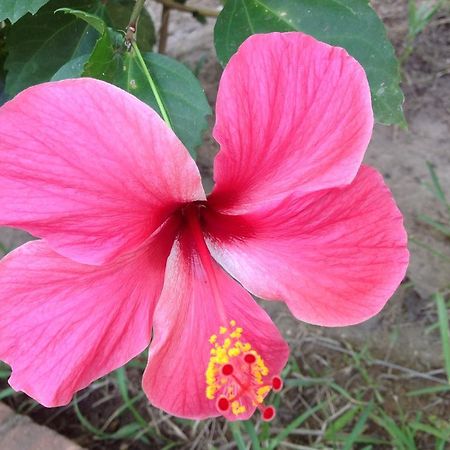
(132, 252)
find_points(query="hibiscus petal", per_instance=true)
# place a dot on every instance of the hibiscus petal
(293, 116)
(335, 257)
(90, 168)
(64, 324)
(187, 315)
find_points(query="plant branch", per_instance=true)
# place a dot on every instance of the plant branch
(190, 9)
(164, 30)
(132, 24)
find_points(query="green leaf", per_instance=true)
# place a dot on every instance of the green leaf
(117, 14)
(72, 69)
(351, 24)
(91, 19)
(104, 62)
(180, 92)
(13, 10)
(38, 46)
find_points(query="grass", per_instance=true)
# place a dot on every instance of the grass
(435, 187)
(420, 14)
(439, 225)
(335, 397)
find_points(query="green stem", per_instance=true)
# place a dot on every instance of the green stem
(153, 87)
(132, 24)
(136, 12)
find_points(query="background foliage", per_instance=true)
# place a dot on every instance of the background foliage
(42, 41)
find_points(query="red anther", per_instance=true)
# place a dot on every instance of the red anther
(227, 369)
(268, 413)
(249, 358)
(223, 404)
(277, 383)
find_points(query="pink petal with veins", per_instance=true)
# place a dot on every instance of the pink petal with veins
(90, 168)
(197, 299)
(334, 256)
(293, 116)
(64, 324)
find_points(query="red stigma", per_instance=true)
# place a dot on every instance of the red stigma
(277, 384)
(227, 369)
(223, 404)
(268, 413)
(249, 358)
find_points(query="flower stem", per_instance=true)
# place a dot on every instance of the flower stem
(136, 13)
(152, 84)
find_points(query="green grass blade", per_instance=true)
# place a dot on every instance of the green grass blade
(437, 187)
(424, 428)
(434, 252)
(122, 381)
(7, 392)
(322, 381)
(86, 424)
(429, 390)
(237, 435)
(359, 427)
(340, 423)
(126, 432)
(275, 443)
(440, 444)
(445, 230)
(250, 429)
(400, 438)
(443, 327)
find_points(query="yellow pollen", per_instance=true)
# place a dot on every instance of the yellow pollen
(229, 348)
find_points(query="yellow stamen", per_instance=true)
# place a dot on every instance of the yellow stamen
(229, 348)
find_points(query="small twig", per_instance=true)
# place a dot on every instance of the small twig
(164, 29)
(190, 9)
(132, 24)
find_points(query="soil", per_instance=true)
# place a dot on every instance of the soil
(398, 334)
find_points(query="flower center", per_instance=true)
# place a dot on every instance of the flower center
(237, 376)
